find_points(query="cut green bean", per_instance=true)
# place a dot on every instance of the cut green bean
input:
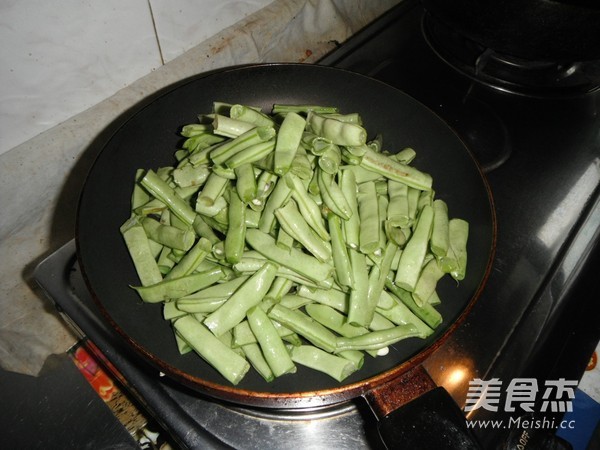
(335, 366)
(191, 260)
(162, 191)
(138, 247)
(280, 195)
(413, 255)
(333, 196)
(377, 339)
(341, 258)
(251, 115)
(229, 364)
(358, 308)
(272, 346)
(295, 259)
(235, 240)
(305, 326)
(426, 313)
(280, 108)
(256, 358)
(368, 211)
(288, 140)
(250, 154)
(171, 289)
(309, 209)
(425, 287)
(337, 131)
(296, 226)
(251, 137)
(230, 127)
(245, 297)
(167, 235)
(388, 167)
(455, 262)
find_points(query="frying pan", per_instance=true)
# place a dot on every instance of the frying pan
(149, 138)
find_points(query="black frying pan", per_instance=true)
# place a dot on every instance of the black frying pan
(150, 137)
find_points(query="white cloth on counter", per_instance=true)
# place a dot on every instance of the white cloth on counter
(40, 180)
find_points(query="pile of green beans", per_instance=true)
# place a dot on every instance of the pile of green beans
(288, 238)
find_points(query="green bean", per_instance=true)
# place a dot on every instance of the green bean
(230, 127)
(388, 167)
(302, 165)
(358, 308)
(335, 321)
(272, 346)
(138, 247)
(338, 132)
(250, 154)
(368, 211)
(246, 183)
(235, 240)
(162, 191)
(288, 140)
(295, 259)
(330, 160)
(376, 283)
(178, 287)
(251, 115)
(405, 156)
(188, 175)
(294, 301)
(200, 142)
(400, 314)
(280, 287)
(245, 297)
(309, 209)
(170, 311)
(199, 305)
(229, 364)
(280, 108)
(251, 137)
(428, 279)
(397, 214)
(330, 297)
(336, 367)
(411, 260)
(305, 326)
(191, 260)
(341, 259)
(351, 226)
(332, 195)
(455, 261)
(195, 129)
(210, 201)
(257, 360)
(167, 235)
(426, 312)
(280, 195)
(376, 339)
(293, 223)
(139, 196)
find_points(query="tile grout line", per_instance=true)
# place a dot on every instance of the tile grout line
(160, 53)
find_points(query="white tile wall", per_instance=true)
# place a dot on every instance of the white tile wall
(59, 58)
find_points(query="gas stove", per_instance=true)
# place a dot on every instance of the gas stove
(535, 320)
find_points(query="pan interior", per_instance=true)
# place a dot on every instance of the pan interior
(149, 139)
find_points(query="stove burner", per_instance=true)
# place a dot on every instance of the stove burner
(462, 108)
(506, 72)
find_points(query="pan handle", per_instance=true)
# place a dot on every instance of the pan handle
(414, 412)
